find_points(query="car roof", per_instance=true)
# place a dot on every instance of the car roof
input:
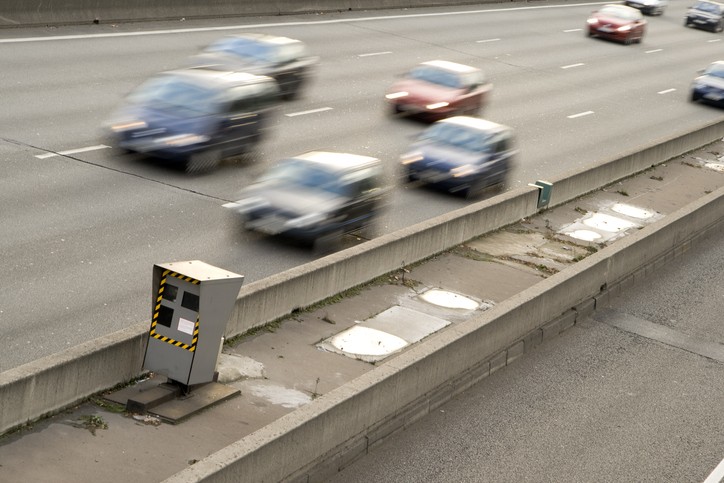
(266, 38)
(338, 161)
(475, 123)
(619, 7)
(452, 66)
(218, 78)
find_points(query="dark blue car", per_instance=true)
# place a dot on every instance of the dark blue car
(462, 155)
(706, 15)
(196, 117)
(709, 86)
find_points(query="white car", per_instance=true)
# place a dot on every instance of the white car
(648, 7)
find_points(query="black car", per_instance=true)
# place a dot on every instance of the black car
(314, 196)
(706, 15)
(709, 86)
(461, 155)
(196, 117)
(286, 60)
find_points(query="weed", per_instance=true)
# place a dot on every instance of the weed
(581, 210)
(92, 423)
(108, 405)
(467, 252)
(657, 178)
(622, 192)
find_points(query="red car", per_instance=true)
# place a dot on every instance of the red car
(617, 22)
(438, 89)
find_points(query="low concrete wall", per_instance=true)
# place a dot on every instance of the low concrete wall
(60, 380)
(50, 384)
(23, 13)
(318, 439)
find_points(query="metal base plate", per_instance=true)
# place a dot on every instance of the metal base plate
(166, 401)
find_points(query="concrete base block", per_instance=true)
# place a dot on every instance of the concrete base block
(515, 351)
(585, 308)
(498, 361)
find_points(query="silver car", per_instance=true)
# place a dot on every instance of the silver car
(648, 7)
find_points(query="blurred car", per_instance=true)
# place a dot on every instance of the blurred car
(286, 60)
(648, 7)
(709, 86)
(617, 22)
(314, 196)
(461, 155)
(706, 15)
(194, 116)
(438, 89)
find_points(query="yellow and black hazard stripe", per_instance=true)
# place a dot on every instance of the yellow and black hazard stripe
(161, 286)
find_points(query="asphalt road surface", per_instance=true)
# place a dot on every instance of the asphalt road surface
(82, 226)
(610, 400)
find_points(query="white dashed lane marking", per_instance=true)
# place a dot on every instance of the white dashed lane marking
(572, 30)
(312, 111)
(653, 51)
(486, 41)
(572, 65)
(580, 114)
(72, 151)
(666, 91)
(374, 53)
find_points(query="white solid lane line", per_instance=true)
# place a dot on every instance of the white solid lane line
(72, 151)
(374, 53)
(572, 65)
(290, 24)
(312, 111)
(580, 114)
(666, 91)
(716, 476)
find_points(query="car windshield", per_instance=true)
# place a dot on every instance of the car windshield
(716, 70)
(618, 12)
(295, 172)
(175, 94)
(249, 49)
(458, 136)
(435, 75)
(707, 7)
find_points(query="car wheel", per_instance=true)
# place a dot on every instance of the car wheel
(628, 41)
(694, 96)
(719, 27)
(686, 22)
(203, 161)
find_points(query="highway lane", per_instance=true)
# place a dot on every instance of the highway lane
(596, 404)
(83, 230)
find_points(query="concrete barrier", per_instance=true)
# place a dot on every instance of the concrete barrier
(23, 13)
(51, 384)
(322, 437)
